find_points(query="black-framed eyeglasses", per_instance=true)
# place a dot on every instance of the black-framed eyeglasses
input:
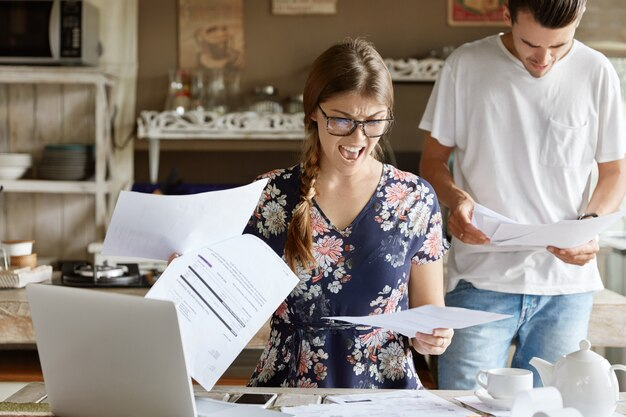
(342, 126)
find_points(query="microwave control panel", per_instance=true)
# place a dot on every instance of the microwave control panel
(71, 18)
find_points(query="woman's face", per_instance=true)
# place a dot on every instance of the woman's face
(349, 154)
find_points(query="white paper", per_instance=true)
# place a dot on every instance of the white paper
(156, 226)
(224, 293)
(475, 403)
(370, 396)
(563, 234)
(424, 319)
(407, 403)
(207, 407)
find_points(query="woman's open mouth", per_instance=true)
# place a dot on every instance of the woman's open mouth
(351, 153)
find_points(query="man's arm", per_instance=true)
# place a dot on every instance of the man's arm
(606, 198)
(434, 169)
(611, 188)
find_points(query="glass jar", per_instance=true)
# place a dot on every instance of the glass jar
(294, 104)
(178, 99)
(265, 100)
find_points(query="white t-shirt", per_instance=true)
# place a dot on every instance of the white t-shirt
(525, 147)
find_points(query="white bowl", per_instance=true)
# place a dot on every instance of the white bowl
(18, 247)
(16, 160)
(12, 173)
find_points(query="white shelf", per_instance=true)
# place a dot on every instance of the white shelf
(99, 186)
(53, 75)
(414, 70)
(49, 186)
(199, 124)
(193, 125)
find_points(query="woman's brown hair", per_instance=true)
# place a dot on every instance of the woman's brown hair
(351, 66)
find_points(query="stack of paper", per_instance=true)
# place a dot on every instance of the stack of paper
(403, 403)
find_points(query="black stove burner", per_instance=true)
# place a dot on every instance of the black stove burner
(82, 274)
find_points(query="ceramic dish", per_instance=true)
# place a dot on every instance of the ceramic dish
(500, 404)
(16, 160)
(12, 173)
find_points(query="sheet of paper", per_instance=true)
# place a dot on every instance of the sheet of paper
(224, 293)
(155, 226)
(370, 396)
(563, 234)
(206, 407)
(475, 403)
(488, 220)
(424, 319)
(407, 403)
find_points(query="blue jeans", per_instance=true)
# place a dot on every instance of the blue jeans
(542, 325)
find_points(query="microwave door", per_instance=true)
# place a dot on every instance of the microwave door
(26, 31)
(55, 29)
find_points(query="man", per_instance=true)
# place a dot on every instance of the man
(528, 114)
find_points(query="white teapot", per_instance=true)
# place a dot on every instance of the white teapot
(585, 379)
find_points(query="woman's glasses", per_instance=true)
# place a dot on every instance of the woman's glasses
(341, 126)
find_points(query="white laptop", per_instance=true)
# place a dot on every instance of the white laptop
(105, 354)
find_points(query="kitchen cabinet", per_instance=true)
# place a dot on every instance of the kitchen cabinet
(56, 105)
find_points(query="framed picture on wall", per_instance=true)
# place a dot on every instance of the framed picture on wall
(476, 12)
(210, 34)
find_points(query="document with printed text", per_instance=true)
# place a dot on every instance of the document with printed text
(225, 285)
(224, 293)
(402, 403)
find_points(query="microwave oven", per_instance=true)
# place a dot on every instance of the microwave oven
(49, 32)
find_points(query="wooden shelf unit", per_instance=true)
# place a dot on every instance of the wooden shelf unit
(58, 105)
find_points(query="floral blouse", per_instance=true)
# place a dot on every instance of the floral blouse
(363, 269)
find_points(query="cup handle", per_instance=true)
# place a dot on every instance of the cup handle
(481, 378)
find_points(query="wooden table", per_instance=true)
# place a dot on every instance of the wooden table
(19, 360)
(35, 391)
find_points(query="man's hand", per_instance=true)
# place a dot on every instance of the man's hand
(432, 344)
(460, 223)
(578, 255)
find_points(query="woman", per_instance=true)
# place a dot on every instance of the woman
(362, 236)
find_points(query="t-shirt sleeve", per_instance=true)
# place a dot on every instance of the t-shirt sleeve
(611, 128)
(432, 244)
(439, 116)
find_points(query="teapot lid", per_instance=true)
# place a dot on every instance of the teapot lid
(584, 354)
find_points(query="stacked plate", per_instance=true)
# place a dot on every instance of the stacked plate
(14, 165)
(69, 162)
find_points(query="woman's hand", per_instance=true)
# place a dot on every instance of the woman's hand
(432, 344)
(172, 257)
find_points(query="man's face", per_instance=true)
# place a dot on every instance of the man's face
(538, 48)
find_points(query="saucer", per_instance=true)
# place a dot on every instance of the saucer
(500, 404)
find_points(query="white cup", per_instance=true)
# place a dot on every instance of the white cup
(17, 247)
(505, 383)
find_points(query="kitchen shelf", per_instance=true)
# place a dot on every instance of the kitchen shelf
(50, 186)
(414, 70)
(93, 79)
(242, 131)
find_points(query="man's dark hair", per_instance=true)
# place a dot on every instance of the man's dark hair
(552, 14)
